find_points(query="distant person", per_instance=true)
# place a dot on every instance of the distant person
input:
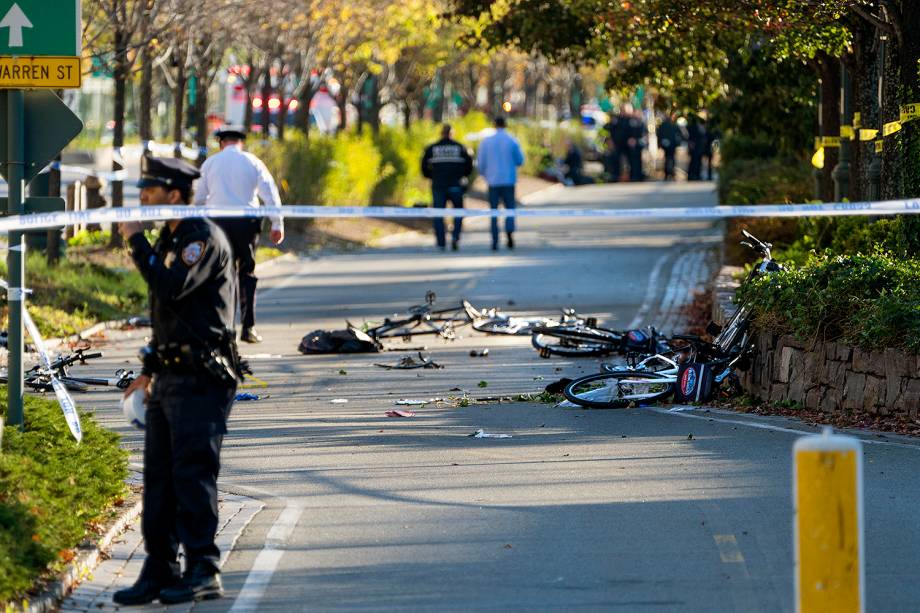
(448, 164)
(669, 139)
(236, 178)
(574, 165)
(697, 141)
(712, 135)
(498, 160)
(635, 142)
(618, 131)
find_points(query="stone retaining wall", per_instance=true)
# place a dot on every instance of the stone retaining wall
(828, 376)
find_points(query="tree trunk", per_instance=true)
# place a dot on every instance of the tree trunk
(910, 93)
(282, 115)
(266, 95)
(830, 120)
(145, 96)
(201, 118)
(179, 109)
(120, 76)
(342, 101)
(863, 85)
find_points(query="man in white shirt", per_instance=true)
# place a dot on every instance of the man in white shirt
(234, 178)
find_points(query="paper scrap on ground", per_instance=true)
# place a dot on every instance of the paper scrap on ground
(400, 413)
(245, 396)
(339, 400)
(406, 402)
(483, 434)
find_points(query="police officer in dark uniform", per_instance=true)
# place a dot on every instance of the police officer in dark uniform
(448, 164)
(190, 373)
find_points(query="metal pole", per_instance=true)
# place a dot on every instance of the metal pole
(842, 170)
(17, 251)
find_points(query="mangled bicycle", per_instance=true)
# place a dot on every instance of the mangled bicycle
(692, 372)
(38, 378)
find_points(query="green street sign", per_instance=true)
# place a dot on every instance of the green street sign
(49, 125)
(40, 27)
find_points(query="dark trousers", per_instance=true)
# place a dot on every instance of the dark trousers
(440, 197)
(669, 162)
(635, 164)
(505, 194)
(186, 422)
(243, 235)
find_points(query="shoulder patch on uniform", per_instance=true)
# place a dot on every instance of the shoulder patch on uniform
(192, 252)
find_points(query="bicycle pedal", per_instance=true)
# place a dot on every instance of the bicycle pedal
(545, 353)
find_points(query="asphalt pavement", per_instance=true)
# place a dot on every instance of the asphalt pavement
(627, 510)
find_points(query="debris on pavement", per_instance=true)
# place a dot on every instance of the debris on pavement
(246, 396)
(410, 363)
(400, 413)
(406, 402)
(350, 340)
(339, 401)
(483, 384)
(482, 434)
(557, 387)
(484, 353)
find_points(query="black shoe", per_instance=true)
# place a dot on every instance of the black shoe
(510, 241)
(201, 582)
(494, 246)
(144, 591)
(249, 335)
(454, 245)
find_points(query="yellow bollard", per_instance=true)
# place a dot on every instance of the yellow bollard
(829, 550)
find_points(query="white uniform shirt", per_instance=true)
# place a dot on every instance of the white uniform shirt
(234, 178)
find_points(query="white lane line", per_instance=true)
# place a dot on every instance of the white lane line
(650, 292)
(680, 411)
(267, 561)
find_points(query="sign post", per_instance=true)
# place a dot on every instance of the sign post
(39, 48)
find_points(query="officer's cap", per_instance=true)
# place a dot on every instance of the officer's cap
(238, 132)
(170, 173)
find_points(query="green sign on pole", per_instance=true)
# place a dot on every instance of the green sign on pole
(40, 27)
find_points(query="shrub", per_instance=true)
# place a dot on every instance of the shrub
(871, 301)
(51, 490)
(765, 181)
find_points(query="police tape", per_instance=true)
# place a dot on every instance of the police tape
(118, 175)
(68, 407)
(38, 221)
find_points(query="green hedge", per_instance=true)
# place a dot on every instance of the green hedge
(870, 301)
(51, 490)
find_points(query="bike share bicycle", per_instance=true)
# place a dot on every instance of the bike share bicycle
(693, 372)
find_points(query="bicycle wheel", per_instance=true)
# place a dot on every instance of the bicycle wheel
(581, 334)
(550, 345)
(617, 390)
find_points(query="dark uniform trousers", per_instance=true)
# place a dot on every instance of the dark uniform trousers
(243, 235)
(186, 422)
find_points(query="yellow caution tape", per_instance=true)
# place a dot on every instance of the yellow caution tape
(857, 120)
(817, 160)
(827, 142)
(879, 145)
(891, 127)
(847, 132)
(866, 134)
(909, 112)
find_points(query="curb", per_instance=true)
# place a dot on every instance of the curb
(83, 565)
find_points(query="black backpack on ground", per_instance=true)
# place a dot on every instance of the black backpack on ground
(350, 340)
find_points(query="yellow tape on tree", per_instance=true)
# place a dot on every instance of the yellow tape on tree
(847, 132)
(857, 120)
(879, 145)
(866, 134)
(828, 142)
(909, 112)
(891, 127)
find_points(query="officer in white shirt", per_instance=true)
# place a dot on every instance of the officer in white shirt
(235, 178)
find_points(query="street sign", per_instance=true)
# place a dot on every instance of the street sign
(40, 27)
(41, 71)
(49, 125)
(40, 45)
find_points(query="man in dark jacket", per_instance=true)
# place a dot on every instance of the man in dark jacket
(448, 164)
(669, 139)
